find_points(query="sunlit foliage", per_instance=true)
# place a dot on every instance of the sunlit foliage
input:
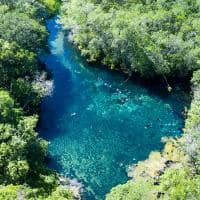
(23, 173)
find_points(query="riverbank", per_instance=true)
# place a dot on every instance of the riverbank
(23, 171)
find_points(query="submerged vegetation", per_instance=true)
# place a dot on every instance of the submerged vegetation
(152, 38)
(23, 173)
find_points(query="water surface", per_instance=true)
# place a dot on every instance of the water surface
(97, 122)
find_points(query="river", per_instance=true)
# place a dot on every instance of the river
(97, 121)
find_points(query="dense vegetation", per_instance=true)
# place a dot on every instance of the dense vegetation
(147, 37)
(151, 38)
(23, 174)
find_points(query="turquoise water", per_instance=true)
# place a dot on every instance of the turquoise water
(98, 122)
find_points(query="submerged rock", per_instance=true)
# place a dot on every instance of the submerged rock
(72, 185)
(42, 84)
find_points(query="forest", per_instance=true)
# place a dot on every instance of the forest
(138, 36)
(150, 38)
(23, 36)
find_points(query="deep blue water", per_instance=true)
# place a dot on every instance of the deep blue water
(97, 122)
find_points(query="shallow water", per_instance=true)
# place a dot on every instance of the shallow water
(97, 122)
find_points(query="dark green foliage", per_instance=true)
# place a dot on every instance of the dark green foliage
(15, 62)
(18, 60)
(33, 9)
(20, 28)
(22, 153)
(24, 37)
(26, 94)
(148, 37)
(191, 132)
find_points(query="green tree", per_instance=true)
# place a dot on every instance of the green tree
(178, 184)
(133, 191)
(22, 29)
(9, 113)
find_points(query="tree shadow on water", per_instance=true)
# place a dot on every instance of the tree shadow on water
(53, 107)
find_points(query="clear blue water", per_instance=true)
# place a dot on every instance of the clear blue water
(97, 122)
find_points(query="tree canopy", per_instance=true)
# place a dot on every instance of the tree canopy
(147, 37)
(23, 172)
